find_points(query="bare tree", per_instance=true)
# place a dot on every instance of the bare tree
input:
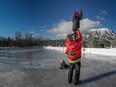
(18, 37)
(28, 37)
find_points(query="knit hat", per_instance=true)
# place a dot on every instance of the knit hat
(76, 14)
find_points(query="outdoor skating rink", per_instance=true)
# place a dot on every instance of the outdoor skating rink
(40, 68)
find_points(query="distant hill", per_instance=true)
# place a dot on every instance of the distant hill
(99, 33)
(104, 36)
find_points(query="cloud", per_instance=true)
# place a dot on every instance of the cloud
(34, 34)
(103, 29)
(65, 27)
(100, 18)
(103, 12)
(87, 24)
(62, 29)
(42, 27)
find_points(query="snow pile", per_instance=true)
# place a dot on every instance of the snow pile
(100, 51)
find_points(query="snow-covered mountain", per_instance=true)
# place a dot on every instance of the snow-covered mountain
(104, 37)
(100, 33)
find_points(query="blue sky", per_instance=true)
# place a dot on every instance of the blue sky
(43, 16)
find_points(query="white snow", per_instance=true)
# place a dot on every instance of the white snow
(100, 51)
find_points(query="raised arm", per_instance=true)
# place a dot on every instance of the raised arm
(81, 13)
(79, 35)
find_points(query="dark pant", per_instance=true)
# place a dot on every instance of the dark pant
(77, 67)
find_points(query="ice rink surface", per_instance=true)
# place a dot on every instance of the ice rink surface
(40, 68)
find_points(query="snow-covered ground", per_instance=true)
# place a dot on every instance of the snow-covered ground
(100, 51)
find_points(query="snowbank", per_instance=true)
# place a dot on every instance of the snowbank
(100, 51)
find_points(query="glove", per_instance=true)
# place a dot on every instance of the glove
(66, 55)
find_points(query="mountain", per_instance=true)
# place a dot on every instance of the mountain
(104, 36)
(100, 33)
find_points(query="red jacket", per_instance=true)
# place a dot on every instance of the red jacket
(74, 48)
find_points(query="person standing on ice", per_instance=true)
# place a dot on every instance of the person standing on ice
(73, 52)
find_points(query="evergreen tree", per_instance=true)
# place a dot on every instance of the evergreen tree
(94, 43)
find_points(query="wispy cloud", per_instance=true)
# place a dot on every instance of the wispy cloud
(34, 34)
(42, 27)
(65, 27)
(100, 18)
(103, 12)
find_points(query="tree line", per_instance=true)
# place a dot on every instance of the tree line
(28, 40)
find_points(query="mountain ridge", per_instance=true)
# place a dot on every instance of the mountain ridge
(99, 33)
